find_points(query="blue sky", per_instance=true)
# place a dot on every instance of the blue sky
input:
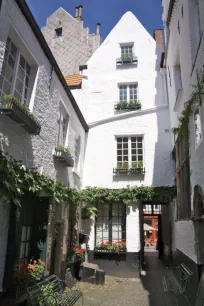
(107, 12)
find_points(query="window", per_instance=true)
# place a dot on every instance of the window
(128, 93)
(183, 177)
(129, 150)
(111, 223)
(0, 4)
(15, 75)
(58, 32)
(126, 50)
(77, 151)
(62, 126)
(197, 125)
(195, 28)
(25, 244)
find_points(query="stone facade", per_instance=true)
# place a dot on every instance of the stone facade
(46, 96)
(185, 44)
(75, 46)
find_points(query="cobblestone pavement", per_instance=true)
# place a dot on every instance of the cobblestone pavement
(146, 291)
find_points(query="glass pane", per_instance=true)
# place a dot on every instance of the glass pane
(133, 145)
(8, 43)
(28, 69)
(11, 62)
(22, 249)
(28, 232)
(27, 249)
(21, 74)
(23, 233)
(140, 157)
(13, 50)
(139, 139)
(22, 62)
(119, 146)
(119, 158)
(19, 86)
(139, 145)
(17, 95)
(125, 139)
(140, 151)
(125, 158)
(119, 152)
(119, 139)
(27, 81)
(133, 139)
(125, 145)
(6, 88)
(9, 74)
(133, 151)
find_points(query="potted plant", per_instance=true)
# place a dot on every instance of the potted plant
(122, 167)
(137, 166)
(20, 113)
(26, 275)
(63, 154)
(76, 256)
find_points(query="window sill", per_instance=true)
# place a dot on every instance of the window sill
(128, 171)
(127, 107)
(129, 60)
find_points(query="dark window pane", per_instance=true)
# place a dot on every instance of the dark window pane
(133, 139)
(125, 139)
(119, 139)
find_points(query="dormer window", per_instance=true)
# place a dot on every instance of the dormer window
(127, 54)
(58, 32)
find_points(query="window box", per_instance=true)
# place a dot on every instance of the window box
(110, 255)
(63, 154)
(123, 105)
(19, 113)
(126, 59)
(128, 171)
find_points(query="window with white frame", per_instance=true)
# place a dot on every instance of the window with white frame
(130, 151)
(197, 126)
(126, 50)
(77, 151)
(15, 75)
(128, 93)
(63, 123)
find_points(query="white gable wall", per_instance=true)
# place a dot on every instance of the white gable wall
(99, 94)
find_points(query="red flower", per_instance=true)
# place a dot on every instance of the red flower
(43, 263)
(107, 242)
(23, 268)
(32, 268)
(34, 261)
(15, 275)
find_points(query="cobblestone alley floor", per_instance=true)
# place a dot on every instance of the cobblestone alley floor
(146, 291)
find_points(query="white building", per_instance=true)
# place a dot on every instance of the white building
(129, 142)
(70, 42)
(30, 72)
(184, 59)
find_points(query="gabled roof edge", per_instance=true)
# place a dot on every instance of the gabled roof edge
(33, 24)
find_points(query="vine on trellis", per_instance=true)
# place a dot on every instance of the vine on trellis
(15, 180)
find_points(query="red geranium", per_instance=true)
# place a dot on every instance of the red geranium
(23, 268)
(32, 268)
(43, 263)
(34, 261)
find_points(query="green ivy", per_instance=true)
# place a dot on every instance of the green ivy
(15, 180)
(194, 100)
(12, 98)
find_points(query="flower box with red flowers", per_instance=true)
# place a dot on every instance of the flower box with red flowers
(111, 250)
(25, 276)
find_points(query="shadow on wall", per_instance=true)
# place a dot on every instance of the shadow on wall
(128, 177)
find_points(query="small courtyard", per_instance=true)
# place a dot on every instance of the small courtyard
(146, 291)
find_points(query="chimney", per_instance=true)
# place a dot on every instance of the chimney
(77, 12)
(158, 36)
(98, 26)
